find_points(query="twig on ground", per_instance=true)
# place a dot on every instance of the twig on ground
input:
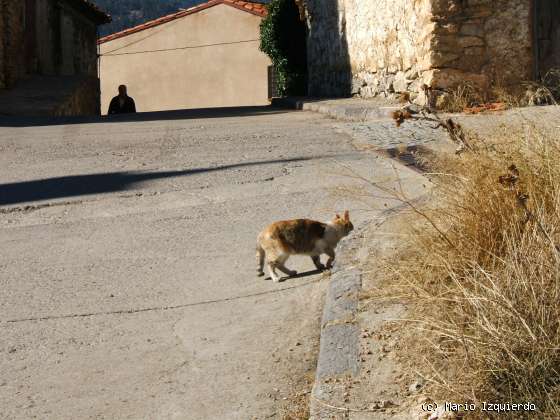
(346, 409)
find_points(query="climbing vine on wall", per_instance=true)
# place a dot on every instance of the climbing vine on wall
(283, 39)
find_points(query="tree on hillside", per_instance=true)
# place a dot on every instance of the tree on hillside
(129, 13)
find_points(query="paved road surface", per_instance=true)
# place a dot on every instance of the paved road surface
(128, 272)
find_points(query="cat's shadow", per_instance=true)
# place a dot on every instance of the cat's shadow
(299, 275)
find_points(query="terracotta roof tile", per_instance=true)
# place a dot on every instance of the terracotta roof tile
(258, 9)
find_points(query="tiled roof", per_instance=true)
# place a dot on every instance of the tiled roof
(258, 9)
(88, 7)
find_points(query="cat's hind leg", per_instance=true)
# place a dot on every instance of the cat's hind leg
(272, 271)
(260, 260)
(279, 263)
(272, 257)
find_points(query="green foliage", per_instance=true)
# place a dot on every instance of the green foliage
(283, 39)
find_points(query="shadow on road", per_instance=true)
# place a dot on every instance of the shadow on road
(305, 274)
(184, 114)
(298, 275)
(78, 185)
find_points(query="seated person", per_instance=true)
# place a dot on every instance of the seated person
(122, 104)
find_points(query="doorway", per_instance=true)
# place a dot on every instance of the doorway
(547, 36)
(30, 37)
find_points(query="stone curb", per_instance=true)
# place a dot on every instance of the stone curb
(339, 350)
(340, 112)
(339, 343)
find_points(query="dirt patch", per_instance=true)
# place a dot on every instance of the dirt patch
(296, 406)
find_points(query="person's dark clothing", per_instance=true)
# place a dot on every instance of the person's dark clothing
(126, 107)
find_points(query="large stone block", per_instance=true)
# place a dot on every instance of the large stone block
(401, 82)
(473, 29)
(451, 78)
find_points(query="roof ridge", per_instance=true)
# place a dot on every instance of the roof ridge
(249, 6)
(90, 7)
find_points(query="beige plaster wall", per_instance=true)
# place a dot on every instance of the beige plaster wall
(210, 76)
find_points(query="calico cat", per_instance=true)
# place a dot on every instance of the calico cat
(299, 237)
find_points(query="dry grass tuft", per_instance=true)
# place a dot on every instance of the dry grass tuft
(468, 97)
(483, 276)
(460, 98)
(544, 92)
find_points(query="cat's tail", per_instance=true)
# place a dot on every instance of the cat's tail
(260, 260)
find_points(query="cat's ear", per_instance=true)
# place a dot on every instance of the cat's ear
(347, 215)
(337, 216)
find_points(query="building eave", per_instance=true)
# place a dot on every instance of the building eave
(91, 10)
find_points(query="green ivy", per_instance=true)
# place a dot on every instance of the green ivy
(283, 39)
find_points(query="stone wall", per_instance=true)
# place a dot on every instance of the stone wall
(383, 47)
(327, 49)
(84, 100)
(368, 47)
(78, 37)
(59, 40)
(50, 38)
(486, 42)
(389, 44)
(11, 40)
(2, 71)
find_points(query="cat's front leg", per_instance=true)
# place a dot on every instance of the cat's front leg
(317, 261)
(330, 261)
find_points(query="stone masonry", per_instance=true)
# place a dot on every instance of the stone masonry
(49, 38)
(11, 40)
(383, 47)
(2, 47)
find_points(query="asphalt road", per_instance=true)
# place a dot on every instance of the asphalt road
(127, 271)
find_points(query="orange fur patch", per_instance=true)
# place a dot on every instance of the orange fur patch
(296, 236)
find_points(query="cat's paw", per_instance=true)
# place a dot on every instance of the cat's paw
(260, 273)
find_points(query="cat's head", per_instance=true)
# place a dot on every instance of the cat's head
(344, 222)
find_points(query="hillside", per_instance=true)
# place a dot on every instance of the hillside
(129, 13)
